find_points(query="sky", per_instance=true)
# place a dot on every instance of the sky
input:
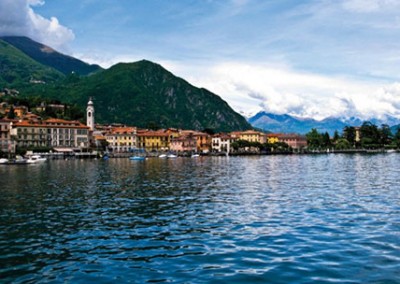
(314, 58)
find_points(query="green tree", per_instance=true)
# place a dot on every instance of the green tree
(342, 144)
(326, 140)
(370, 135)
(314, 139)
(396, 138)
(336, 136)
(349, 133)
(386, 135)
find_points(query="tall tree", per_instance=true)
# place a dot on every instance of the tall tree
(326, 140)
(314, 139)
(349, 133)
(11, 113)
(370, 136)
(386, 134)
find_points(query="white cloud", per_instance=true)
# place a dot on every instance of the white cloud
(278, 89)
(369, 6)
(17, 18)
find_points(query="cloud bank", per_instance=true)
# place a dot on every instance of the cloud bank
(250, 88)
(17, 18)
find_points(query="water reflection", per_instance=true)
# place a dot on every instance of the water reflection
(300, 219)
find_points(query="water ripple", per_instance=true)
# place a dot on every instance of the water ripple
(279, 219)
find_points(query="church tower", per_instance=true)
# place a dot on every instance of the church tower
(90, 114)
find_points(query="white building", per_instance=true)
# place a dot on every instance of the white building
(90, 115)
(221, 143)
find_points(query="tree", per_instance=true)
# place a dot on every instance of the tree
(349, 133)
(342, 144)
(386, 135)
(336, 136)
(370, 135)
(314, 139)
(326, 140)
(11, 113)
(396, 138)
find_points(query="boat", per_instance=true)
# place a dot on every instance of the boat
(162, 156)
(137, 158)
(3, 161)
(171, 156)
(17, 161)
(195, 156)
(34, 159)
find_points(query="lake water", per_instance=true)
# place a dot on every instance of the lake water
(266, 219)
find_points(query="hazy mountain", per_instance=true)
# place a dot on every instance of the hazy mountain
(48, 56)
(288, 124)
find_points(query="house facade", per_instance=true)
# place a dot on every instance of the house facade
(7, 144)
(122, 139)
(50, 133)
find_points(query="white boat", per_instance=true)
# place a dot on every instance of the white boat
(162, 156)
(171, 156)
(195, 156)
(35, 159)
(3, 161)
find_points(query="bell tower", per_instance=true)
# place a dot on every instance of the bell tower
(90, 114)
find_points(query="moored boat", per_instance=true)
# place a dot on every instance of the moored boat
(137, 158)
(34, 159)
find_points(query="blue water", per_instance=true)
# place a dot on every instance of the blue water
(268, 219)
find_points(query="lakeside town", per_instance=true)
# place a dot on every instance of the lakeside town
(25, 132)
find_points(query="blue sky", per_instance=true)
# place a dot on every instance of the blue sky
(306, 58)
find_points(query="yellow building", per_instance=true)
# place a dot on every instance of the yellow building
(273, 137)
(248, 135)
(122, 139)
(154, 140)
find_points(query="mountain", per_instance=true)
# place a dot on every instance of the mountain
(18, 69)
(144, 93)
(288, 124)
(49, 57)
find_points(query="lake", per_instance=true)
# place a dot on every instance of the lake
(267, 219)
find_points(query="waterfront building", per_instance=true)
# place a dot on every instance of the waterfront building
(295, 141)
(203, 140)
(50, 133)
(154, 140)
(273, 137)
(185, 143)
(7, 144)
(222, 142)
(248, 135)
(121, 139)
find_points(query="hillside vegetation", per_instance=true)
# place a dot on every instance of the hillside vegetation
(143, 93)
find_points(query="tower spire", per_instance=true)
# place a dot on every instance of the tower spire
(90, 114)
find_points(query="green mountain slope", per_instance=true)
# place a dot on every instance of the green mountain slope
(17, 69)
(144, 93)
(48, 56)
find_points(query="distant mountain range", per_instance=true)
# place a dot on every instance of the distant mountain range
(141, 93)
(285, 123)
